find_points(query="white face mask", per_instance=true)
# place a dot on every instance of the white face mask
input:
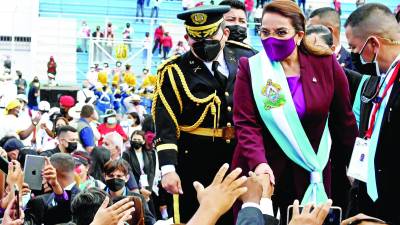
(131, 122)
(112, 120)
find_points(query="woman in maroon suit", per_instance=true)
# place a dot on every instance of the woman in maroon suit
(318, 87)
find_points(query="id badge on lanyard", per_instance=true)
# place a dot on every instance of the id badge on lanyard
(358, 167)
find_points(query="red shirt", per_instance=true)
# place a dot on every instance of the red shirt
(103, 129)
(167, 41)
(158, 34)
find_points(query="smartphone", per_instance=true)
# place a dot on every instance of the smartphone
(4, 165)
(334, 216)
(16, 192)
(33, 171)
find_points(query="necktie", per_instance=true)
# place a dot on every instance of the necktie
(218, 75)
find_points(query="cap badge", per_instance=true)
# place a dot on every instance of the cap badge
(199, 18)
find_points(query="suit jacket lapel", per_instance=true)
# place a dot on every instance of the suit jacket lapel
(232, 65)
(135, 162)
(146, 162)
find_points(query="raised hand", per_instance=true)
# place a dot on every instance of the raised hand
(114, 214)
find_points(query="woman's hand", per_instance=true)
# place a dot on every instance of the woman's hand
(264, 168)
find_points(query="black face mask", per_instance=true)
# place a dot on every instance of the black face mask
(72, 146)
(364, 68)
(207, 50)
(115, 184)
(136, 144)
(367, 68)
(63, 111)
(237, 33)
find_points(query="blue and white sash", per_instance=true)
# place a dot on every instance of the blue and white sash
(276, 107)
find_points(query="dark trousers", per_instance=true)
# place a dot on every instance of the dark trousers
(200, 162)
(166, 51)
(139, 8)
(157, 44)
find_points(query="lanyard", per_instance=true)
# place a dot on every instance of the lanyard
(379, 103)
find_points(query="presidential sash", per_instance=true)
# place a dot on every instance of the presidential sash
(277, 110)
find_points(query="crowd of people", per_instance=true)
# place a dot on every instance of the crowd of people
(303, 122)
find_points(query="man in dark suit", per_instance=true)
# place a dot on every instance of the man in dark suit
(236, 21)
(379, 109)
(193, 107)
(54, 207)
(330, 18)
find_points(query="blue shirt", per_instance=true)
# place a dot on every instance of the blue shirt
(86, 135)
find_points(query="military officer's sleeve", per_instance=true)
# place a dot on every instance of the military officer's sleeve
(166, 114)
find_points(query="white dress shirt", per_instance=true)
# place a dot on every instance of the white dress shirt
(222, 67)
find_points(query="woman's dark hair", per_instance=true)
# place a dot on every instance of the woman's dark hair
(113, 165)
(292, 11)
(138, 132)
(100, 156)
(135, 116)
(55, 130)
(148, 123)
(322, 31)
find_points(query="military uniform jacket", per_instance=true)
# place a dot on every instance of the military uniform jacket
(188, 96)
(241, 49)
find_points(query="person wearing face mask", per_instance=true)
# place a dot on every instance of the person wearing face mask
(293, 97)
(378, 51)
(143, 165)
(82, 167)
(116, 176)
(111, 124)
(33, 94)
(66, 102)
(135, 105)
(67, 141)
(21, 83)
(193, 104)
(236, 21)
(132, 123)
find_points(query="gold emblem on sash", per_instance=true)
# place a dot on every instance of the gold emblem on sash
(274, 97)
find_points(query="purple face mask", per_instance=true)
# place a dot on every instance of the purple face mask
(277, 49)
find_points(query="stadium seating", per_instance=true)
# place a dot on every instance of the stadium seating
(119, 12)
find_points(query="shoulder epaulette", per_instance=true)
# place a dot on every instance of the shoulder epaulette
(168, 61)
(239, 44)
